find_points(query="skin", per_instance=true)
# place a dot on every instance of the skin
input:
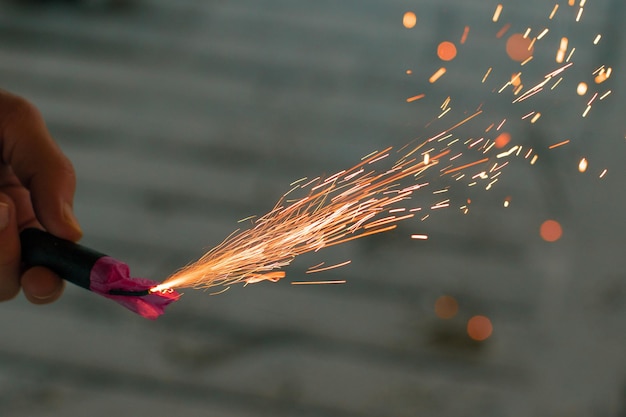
(37, 184)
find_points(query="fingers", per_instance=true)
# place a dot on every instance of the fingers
(9, 250)
(41, 286)
(39, 164)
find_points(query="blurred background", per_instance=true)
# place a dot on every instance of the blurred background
(182, 117)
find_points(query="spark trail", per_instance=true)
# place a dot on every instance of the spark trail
(376, 194)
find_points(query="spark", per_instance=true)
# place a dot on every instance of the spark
(471, 164)
(560, 54)
(570, 55)
(543, 33)
(556, 83)
(533, 160)
(582, 165)
(535, 117)
(503, 30)
(415, 98)
(580, 14)
(486, 75)
(603, 173)
(496, 14)
(507, 153)
(464, 36)
(556, 145)
(527, 60)
(246, 219)
(437, 75)
(419, 237)
(597, 39)
(556, 7)
(327, 268)
(603, 96)
(581, 89)
(586, 110)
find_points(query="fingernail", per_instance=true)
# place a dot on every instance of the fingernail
(70, 218)
(4, 215)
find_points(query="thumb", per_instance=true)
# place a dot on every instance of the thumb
(9, 250)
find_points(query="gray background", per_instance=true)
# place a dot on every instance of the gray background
(182, 117)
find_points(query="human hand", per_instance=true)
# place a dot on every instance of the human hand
(37, 185)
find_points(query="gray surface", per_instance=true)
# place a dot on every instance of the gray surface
(182, 117)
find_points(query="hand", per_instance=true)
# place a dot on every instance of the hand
(37, 185)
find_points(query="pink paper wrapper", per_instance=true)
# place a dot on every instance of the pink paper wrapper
(110, 274)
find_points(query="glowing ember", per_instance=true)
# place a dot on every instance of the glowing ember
(502, 140)
(550, 231)
(581, 90)
(479, 328)
(409, 20)
(519, 48)
(446, 307)
(582, 165)
(446, 51)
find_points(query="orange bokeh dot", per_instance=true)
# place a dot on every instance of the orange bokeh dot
(446, 51)
(446, 307)
(479, 328)
(409, 20)
(519, 48)
(502, 140)
(551, 231)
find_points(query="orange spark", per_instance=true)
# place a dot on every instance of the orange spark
(327, 268)
(415, 98)
(437, 75)
(503, 30)
(409, 19)
(582, 165)
(556, 7)
(556, 145)
(471, 164)
(464, 36)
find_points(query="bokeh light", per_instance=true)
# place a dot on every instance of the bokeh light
(446, 51)
(479, 328)
(550, 231)
(502, 140)
(446, 307)
(409, 20)
(519, 48)
(581, 90)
